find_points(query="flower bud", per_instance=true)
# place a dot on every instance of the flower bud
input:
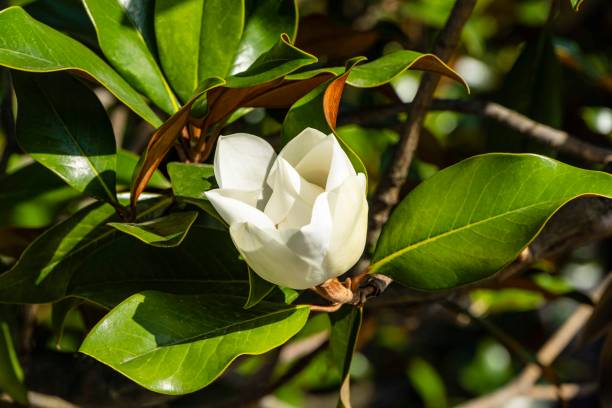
(298, 218)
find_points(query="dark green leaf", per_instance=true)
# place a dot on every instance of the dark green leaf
(28, 45)
(54, 126)
(176, 344)
(72, 259)
(259, 288)
(44, 270)
(197, 40)
(200, 39)
(67, 16)
(165, 232)
(124, 46)
(11, 373)
(59, 312)
(428, 383)
(345, 325)
(282, 59)
(469, 220)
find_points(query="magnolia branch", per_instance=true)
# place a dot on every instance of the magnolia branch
(388, 192)
(557, 139)
(525, 382)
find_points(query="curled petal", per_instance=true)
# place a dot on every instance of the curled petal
(292, 198)
(242, 162)
(231, 207)
(300, 145)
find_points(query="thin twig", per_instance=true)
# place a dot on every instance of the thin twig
(557, 139)
(546, 355)
(388, 192)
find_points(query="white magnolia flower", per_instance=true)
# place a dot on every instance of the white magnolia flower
(298, 218)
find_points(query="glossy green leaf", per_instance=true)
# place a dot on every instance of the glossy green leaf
(11, 373)
(43, 272)
(189, 183)
(28, 45)
(469, 220)
(72, 259)
(197, 40)
(259, 288)
(67, 16)
(282, 59)
(201, 39)
(265, 21)
(191, 180)
(345, 324)
(54, 126)
(32, 197)
(166, 232)
(384, 69)
(176, 344)
(126, 163)
(125, 47)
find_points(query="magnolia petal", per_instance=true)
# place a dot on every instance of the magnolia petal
(350, 224)
(292, 198)
(242, 162)
(233, 210)
(340, 167)
(300, 145)
(271, 259)
(311, 242)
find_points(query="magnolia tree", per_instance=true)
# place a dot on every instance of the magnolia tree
(179, 193)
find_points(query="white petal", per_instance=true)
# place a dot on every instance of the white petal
(290, 205)
(271, 259)
(326, 165)
(349, 211)
(340, 167)
(300, 145)
(233, 210)
(242, 162)
(314, 166)
(312, 241)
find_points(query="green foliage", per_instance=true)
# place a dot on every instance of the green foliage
(54, 127)
(47, 50)
(182, 303)
(168, 231)
(189, 340)
(488, 208)
(121, 35)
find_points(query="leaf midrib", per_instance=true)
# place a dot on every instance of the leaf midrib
(380, 263)
(209, 333)
(111, 196)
